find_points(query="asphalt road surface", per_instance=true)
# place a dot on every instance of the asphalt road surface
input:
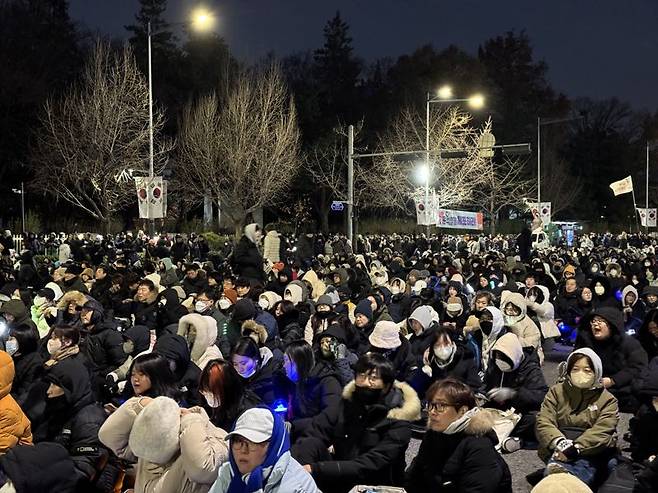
(524, 462)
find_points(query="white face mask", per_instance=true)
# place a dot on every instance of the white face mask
(200, 306)
(599, 290)
(513, 319)
(248, 373)
(39, 301)
(211, 399)
(532, 298)
(503, 365)
(224, 304)
(263, 303)
(11, 346)
(443, 353)
(54, 345)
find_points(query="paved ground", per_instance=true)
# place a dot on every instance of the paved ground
(525, 462)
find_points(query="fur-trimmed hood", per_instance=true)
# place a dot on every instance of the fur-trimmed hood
(408, 410)
(199, 331)
(481, 423)
(72, 296)
(256, 328)
(150, 299)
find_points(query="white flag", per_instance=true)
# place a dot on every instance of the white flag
(647, 217)
(141, 184)
(622, 186)
(541, 211)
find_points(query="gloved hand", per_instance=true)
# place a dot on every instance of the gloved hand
(501, 395)
(341, 351)
(111, 383)
(567, 448)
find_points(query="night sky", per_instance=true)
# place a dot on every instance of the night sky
(596, 49)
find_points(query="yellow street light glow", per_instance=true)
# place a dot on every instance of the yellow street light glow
(445, 92)
(202, 19)
(476, 101)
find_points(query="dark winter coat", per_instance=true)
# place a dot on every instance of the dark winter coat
(145, 312)
(268, 381)
(175, 349)
(195, 285)
(20, 313)
(400, 307)
(74, 419)
(103, 348)
(28, 369)
(100, 291)
(528, 381)
(608, 298)
(647, 340)
(463, 462)
(369, 442)
(567, 308)
(225, 418)
(247, 260)
(404, 361)
(420, 343)
(463, 367)
(624, 360)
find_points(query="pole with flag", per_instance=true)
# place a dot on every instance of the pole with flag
(624, 186)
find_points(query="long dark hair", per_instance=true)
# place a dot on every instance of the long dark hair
(301, 353)
(248, 348)
(647, 340)
(220, 379)
(27, 338)
(156, 367)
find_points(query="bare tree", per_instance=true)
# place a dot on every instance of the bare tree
(558, 184)
(95, 134)
(245, 151)
(389, 182)
(504, 185)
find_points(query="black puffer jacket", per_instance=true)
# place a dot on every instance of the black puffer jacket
(268, 382)
(103, 348)
(369, 441)
(247, 260)
(28, 368)
(74, 419)
(404, 361)
(567, 307)
(622, 356)
(174, 348)
(321, 391)
(463, 367)
(528, 381)
(648, 341)
(461, 462)
(39, 468)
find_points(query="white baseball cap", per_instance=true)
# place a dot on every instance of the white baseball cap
(256, 425)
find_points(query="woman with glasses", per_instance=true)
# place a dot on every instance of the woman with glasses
(622, 356)
(458, 452)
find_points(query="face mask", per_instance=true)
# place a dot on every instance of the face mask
(444, 353)
(39, 301)
(366, 396)
(513, 319)
(11, 346)
(503, 365)
(248, 373)
(582, 380)
(224, 304)
(54, 345)
(613, 273)
(128, 347)
(211, 399)
(323, 315)
(395, 290)
(486, 326)
(200, 306)
(595, 270)
(532, 299)
(263, 303)
(599, 290)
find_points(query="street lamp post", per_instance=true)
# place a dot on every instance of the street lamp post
(444, 97)
(651, 146)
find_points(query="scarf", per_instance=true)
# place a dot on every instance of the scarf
(256, 479)
(461, 423)
(60, 355)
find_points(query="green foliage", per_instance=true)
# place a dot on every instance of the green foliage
(215, 241)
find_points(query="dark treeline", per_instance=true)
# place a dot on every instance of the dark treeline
(43, 50)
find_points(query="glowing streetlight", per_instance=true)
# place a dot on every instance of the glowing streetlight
(202, 19)
(476, 101)
(423, 173)
(444, 92)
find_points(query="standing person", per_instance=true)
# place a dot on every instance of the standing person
(260, 460)
(247, 258)
(577, 423)
(458, 451)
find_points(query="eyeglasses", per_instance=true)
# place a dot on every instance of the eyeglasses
(598, 321)
(370, 376)
(438, 407)
(238, 443)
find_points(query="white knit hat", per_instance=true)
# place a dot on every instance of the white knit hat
(386, 335)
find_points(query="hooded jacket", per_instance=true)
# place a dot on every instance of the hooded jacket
(545, 314)
(321, 392)
(464, 461)
(74, 422)
(526, 377)
(169, 277)
(622, 356)
(201, 449)
(633, 314)
(369, 442)
(175, 349)
(200, 332)
(525, 329)
(594, 412)
(21, 315)
(429, 320)
(607, 299)
(319, 287)
(14, 426)
(272, 247)
(647, 340)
